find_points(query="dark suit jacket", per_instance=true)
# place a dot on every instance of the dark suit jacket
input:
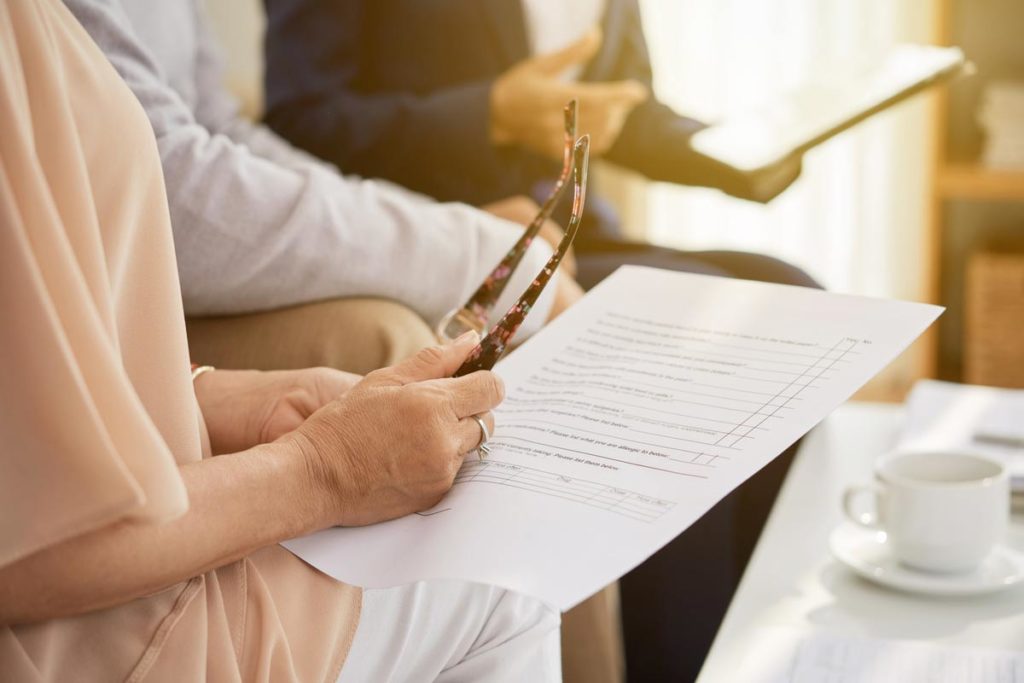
(399, 89)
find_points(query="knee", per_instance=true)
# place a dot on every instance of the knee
(357, 335)
(400, 332)
(786, 273)
(384, 331)
(505, 614)
(763, 268)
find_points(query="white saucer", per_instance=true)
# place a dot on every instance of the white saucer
(868, 553)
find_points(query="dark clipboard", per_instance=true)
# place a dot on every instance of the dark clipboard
(758, 139)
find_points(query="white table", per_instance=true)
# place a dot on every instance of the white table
(793, 582)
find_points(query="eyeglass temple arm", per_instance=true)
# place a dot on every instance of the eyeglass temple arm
(492, 347)
(490, 290)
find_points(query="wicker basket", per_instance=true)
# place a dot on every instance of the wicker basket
(994, 329)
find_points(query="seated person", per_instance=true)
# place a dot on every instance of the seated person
(127, 550)
(260, 226)
(462, 101)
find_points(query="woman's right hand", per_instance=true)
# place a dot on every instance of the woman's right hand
(393, 444)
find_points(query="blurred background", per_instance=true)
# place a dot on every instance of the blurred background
(923, 202)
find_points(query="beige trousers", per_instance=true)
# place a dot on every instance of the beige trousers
(360, 335)
(355, 335)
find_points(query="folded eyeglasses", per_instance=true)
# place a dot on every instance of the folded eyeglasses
(474, 314)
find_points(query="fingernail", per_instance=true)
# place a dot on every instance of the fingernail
(467, 336)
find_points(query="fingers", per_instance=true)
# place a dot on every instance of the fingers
(551, 233)
(469, 434)
(519, 209)
(580, 52)
(567, 292)
(621, 92)
(599, 98)
(433, 362)
(604, 108)
(475, 393)
(569, 264)
(526, 101)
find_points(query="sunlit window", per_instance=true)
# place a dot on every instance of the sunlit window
(856, 218)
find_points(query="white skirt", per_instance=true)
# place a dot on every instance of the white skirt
(450, 631)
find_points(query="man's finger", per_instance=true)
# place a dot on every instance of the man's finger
(470, 435)
(434, 362)
(518, 209)
(475, 393)
(551, 233)
(569, 264)
(580, 52)
(612, 92)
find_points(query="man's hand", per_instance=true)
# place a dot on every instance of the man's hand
(527, 102)
(769, 183)
(762, 185)
(521, 209)
(394, 443)
(567, 292)
(244, 408)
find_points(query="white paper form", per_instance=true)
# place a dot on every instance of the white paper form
(784, 657)
(985, 420)
(624, 422)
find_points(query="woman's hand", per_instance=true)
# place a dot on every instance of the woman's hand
(244, 408)
(393, 444)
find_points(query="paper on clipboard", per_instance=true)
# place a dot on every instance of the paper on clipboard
(984, 420)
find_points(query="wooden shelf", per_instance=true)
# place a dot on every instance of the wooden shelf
(979, 183)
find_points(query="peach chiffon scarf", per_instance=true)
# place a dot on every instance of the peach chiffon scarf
(96, 405)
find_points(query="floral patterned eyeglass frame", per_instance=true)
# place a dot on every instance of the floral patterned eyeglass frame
(474, 314)
(493, 346)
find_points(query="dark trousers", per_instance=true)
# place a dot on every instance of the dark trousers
(673, 604)
(597, 259)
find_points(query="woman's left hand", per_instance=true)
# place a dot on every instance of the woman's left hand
(244, 408)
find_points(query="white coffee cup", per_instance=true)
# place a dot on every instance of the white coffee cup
(941, 511)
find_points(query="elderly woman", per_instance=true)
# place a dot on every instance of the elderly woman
(129, 552)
